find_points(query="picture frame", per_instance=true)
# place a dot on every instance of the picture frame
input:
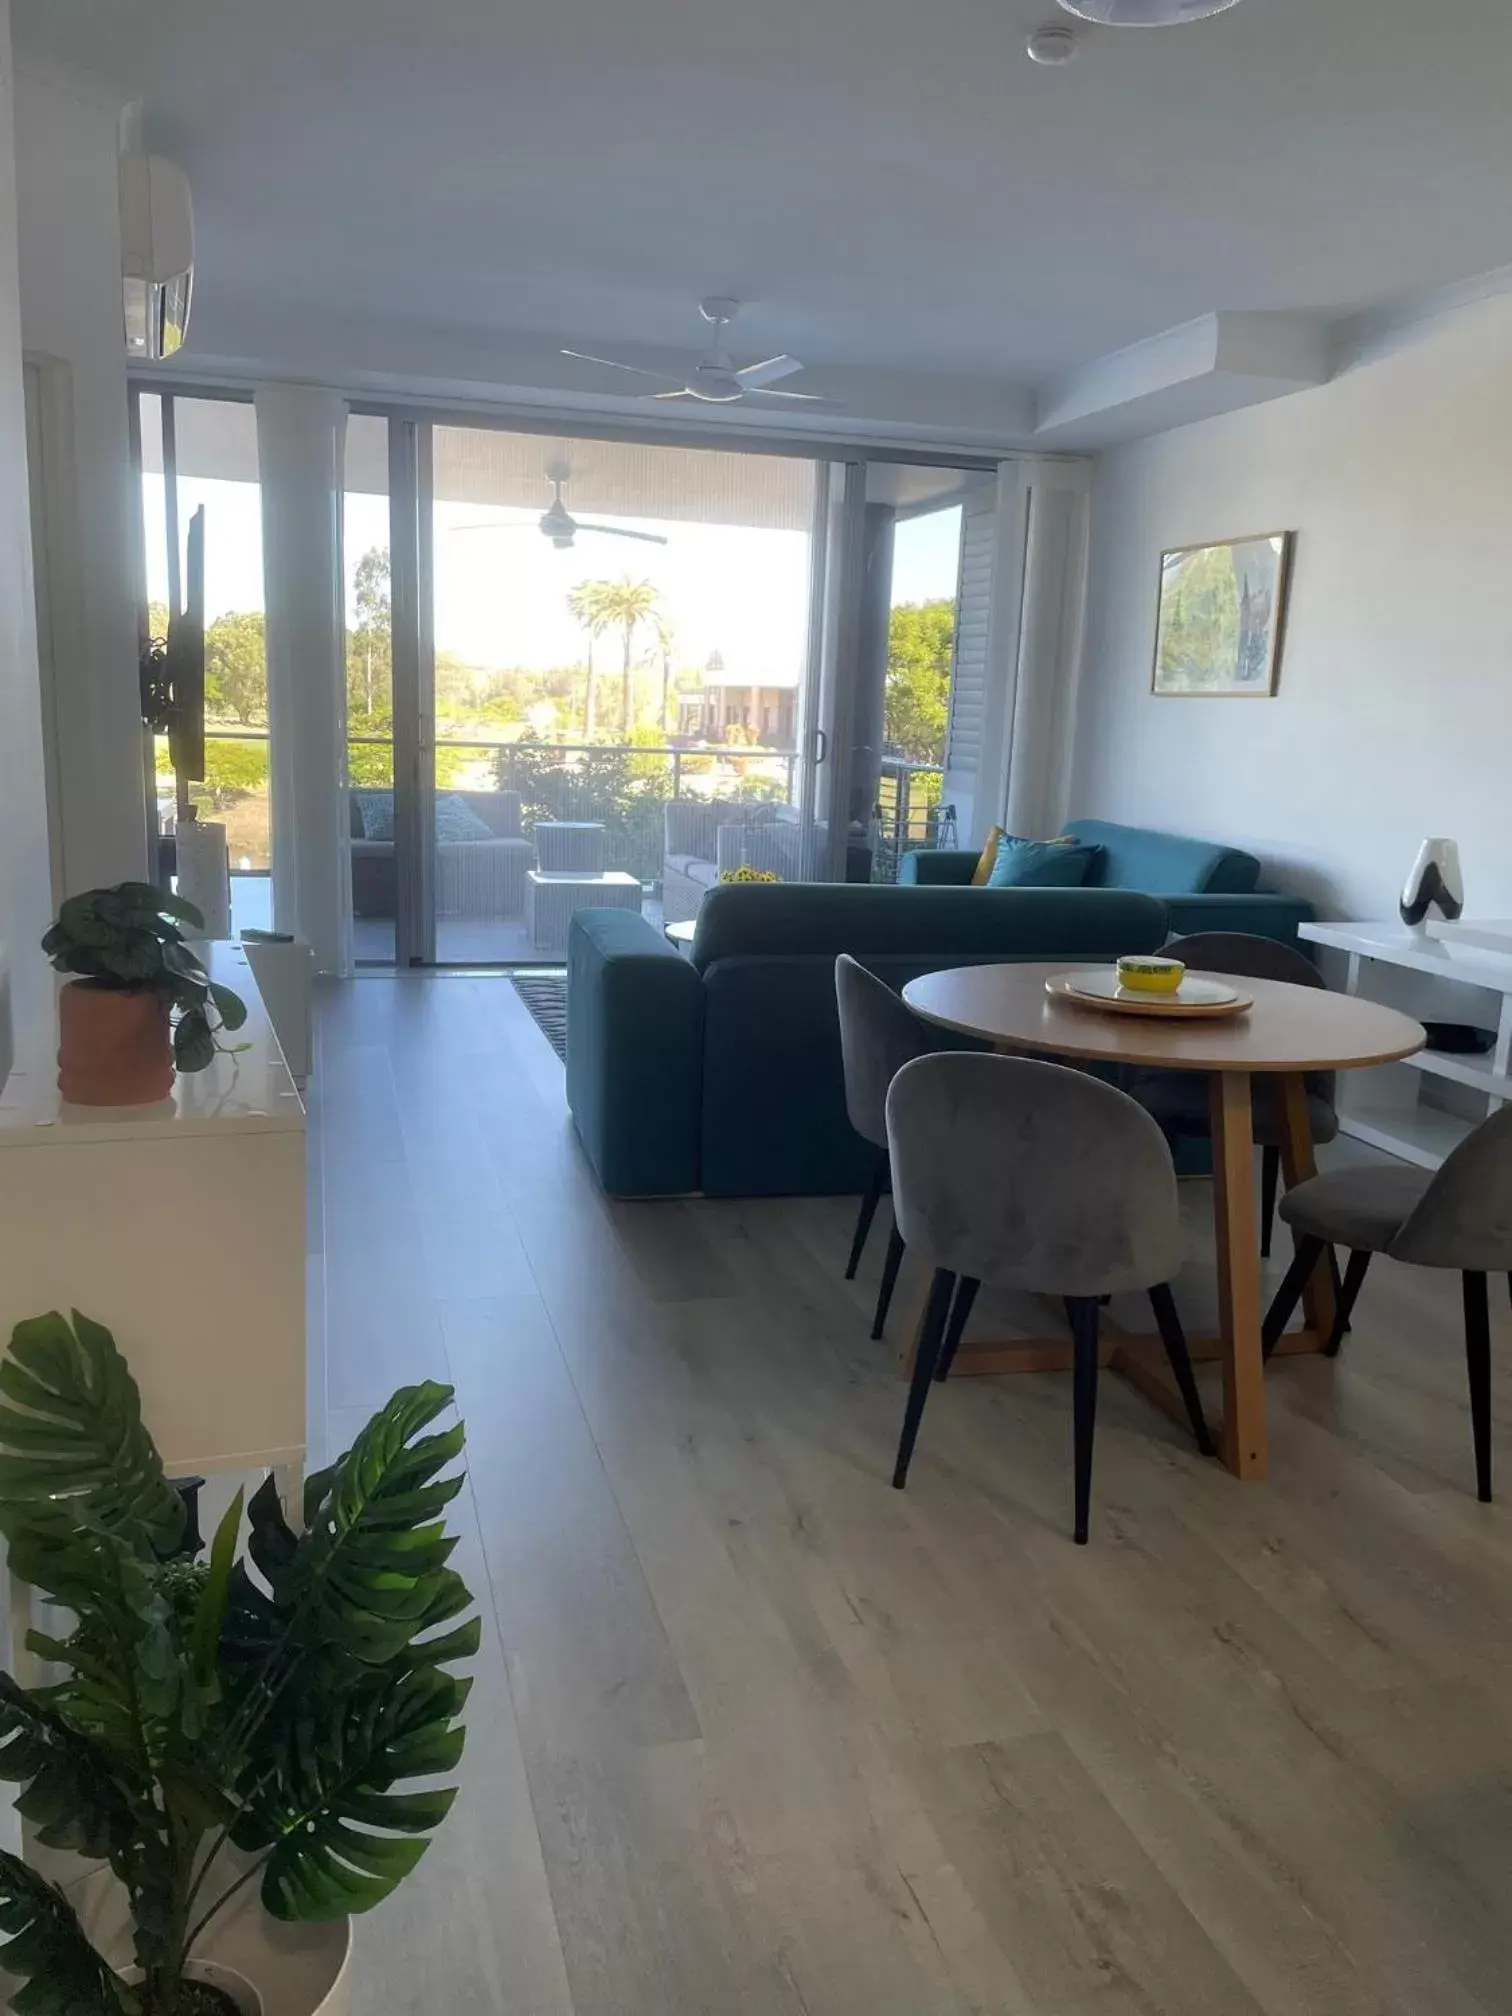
(1220, 618)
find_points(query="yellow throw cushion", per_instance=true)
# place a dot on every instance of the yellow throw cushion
(989, 854)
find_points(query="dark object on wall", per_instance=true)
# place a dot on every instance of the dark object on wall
(1459, 1039)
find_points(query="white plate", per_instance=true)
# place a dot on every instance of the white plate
(1100, 987)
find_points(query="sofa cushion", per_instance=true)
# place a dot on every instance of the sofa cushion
(825, 918)
(1163, 864)
(375, 810)
(457, 821)
(1040, 864)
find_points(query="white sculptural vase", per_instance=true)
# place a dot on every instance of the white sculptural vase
(1435, 886)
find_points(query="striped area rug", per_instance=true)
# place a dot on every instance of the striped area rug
(545, 996)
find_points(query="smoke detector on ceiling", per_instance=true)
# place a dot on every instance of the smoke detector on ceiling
(1054, 44)
(1145, 13)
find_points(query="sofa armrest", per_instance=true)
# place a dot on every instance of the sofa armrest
(635, 1022)
(1265, 914)
(934, 866)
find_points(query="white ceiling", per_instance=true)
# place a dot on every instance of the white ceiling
(937, 226)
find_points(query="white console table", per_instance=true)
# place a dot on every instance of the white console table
(179, 1226)
(1385, 1106)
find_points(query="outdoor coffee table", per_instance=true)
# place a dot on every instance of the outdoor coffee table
(551, 900)
(1287, 1032)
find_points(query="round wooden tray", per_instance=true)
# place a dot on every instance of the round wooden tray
(1196, 997)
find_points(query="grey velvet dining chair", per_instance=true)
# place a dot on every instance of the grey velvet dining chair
(1034, 1177)
(878, 1036)
(1179, 1099)
(1458, 1216)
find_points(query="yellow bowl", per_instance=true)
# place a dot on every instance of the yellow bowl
(1150, 975)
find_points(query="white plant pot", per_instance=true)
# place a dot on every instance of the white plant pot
(293, 1970)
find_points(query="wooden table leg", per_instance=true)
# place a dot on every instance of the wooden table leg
(1235, 1227)
(1297, 1165)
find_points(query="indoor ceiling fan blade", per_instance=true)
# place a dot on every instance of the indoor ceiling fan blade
(776, 392)
(619, 532)
(614, 364)
(682, 392)
(755, 376)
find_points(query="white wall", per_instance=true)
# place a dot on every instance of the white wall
(25, 893)
(1393, 717)
(70, 269)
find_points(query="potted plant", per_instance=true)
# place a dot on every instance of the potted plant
(215, 1723)
(117, 1044)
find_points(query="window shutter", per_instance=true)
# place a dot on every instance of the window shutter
(968, 677)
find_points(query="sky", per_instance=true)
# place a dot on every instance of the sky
(501, 589)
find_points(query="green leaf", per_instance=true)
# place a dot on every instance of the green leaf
(230, 1007)
(193, 1044)
(73, 1435)
(70, 1796)
(46, 1947)
(216, 1594)
(342, 1838)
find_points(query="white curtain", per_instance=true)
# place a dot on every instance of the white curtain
(301, 434)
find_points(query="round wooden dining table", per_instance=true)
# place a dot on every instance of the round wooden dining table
(1285, 1033)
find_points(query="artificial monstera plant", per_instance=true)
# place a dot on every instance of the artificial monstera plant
(282, 1709)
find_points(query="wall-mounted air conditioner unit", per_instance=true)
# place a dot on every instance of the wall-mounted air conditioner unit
(157, 254)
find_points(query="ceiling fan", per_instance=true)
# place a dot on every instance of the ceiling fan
(557, 523)
(714, 379)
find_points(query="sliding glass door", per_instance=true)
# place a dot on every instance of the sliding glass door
(610, 680)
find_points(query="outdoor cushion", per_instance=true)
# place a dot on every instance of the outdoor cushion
(457, 821)
(1040, 864)
(376, 811)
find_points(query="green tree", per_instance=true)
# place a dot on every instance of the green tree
(236, 667)
(623, 605)
(234, 770)
(920, 652)
(370, 649)
(585, 601)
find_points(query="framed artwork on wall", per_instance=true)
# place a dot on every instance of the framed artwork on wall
(1221, 618)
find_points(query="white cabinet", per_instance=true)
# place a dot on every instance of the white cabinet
(179, 1226)
(1386, 1106)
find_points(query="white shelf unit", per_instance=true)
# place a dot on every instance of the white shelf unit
(1385, 1107)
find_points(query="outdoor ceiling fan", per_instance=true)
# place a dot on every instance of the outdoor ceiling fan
(557, 523)
(715, 380)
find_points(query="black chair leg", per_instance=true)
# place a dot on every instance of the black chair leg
(890, 1268)
(876, 1184)
(1270, 1178)
(930, 1333)
(1354, 1281)
(1084, 1313)
(1478, 1364)
(960, 1312)
(1289, 1294)
(1163, 1302)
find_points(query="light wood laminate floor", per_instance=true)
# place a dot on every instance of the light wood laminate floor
(752, 1732)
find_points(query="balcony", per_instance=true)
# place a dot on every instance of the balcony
(666, 818)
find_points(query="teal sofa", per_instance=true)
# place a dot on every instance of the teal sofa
(1205, 886)
(720, 1072)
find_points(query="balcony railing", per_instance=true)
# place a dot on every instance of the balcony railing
(625, 787)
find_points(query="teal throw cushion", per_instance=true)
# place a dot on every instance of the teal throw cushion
(456, 820)
(1039, 864)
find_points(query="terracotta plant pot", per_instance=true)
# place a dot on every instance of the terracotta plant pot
(114, 1047)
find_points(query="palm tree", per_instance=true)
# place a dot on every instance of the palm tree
(586, 604)
(665, 632)
(625, 605)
